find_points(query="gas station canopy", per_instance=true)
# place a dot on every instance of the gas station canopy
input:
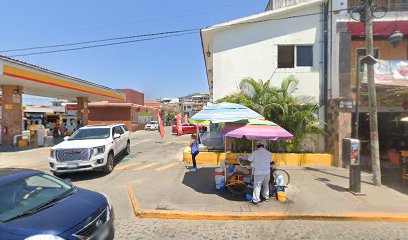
(39, 81)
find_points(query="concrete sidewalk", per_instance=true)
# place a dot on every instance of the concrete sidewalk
(317, 190)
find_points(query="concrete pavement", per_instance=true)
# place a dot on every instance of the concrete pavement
(318, 190)
(163, 183)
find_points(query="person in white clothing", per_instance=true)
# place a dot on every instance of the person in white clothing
(261, 159)
(70, 129)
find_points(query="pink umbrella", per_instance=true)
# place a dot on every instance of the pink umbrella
(256, 130)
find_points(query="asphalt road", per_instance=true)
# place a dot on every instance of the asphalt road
(177, 229)
(153, 158)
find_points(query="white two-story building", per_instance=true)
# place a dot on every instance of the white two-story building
(272, 45)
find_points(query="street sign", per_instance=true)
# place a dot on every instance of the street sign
(346, 104)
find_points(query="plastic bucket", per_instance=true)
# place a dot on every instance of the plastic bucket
(219, 181)
(248, 197)
(219, 178)
(219, 171)
(282, 196)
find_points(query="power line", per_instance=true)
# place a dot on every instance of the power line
(95, 41)
(103, 45)
(167, 34)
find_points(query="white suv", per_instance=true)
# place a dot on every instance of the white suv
(90, 148)
(152, 125)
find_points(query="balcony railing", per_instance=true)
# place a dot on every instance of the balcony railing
(391, 5)
(275, 4)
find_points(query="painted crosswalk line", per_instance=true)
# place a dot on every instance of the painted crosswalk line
(124, 166)
(167, 166)
(146, 166)
(139, 142)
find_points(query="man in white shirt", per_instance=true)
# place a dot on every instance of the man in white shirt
(261, 159)
(69, 129)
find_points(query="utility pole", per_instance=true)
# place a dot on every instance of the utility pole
(372, 96)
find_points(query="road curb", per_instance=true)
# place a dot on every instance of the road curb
(222, 216)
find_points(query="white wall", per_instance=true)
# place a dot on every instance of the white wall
(250, 50)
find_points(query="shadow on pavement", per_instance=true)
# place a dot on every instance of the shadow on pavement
(332, 186)
(203, 182)
(89, 175)
(332, 174)
(83, 176)
(391, 176)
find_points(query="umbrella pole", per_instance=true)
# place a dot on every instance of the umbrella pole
(225, 145)
(198, 136)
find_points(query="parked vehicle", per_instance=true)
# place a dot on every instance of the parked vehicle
(37, 206)
(92, 147)
(190, 128)
(152, 125)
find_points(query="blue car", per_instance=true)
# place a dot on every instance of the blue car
(37, 206)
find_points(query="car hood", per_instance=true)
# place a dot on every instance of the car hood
(80, 208)
(81, 143)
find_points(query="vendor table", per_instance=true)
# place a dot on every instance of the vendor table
(404, 164)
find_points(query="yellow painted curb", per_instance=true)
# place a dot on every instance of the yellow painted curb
(222, 216)
(133, 201)
(281, 159)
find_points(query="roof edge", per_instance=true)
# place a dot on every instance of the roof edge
(237, 22)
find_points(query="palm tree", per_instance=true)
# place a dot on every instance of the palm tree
(297, 114)
(252, 94)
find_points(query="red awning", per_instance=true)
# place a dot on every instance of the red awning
(380, 29)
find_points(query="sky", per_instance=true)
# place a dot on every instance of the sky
(170, 67)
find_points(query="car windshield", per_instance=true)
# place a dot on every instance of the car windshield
(90, 133)
(152, 122)
(28, 194)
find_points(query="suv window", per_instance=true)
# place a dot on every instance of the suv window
(90, 133)
(125, 128)
(119, 130)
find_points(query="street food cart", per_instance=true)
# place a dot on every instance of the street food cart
(238, 175)
(241, 122)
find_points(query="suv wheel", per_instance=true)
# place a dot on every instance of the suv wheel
(127, 150)
(109, 163)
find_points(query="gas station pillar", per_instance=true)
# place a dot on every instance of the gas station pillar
(12, 113)
(82, 111)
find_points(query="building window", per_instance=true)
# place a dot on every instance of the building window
(304, 56)
(286, 57)
(290, 56)
(361, 52)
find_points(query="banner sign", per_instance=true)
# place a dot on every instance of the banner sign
(185, 119)
(161, 127)
(71, 109)
(179, 128)
(390, 71)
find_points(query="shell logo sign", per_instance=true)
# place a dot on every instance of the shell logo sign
(71, 109)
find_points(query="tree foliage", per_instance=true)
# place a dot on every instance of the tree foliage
(297, 114)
